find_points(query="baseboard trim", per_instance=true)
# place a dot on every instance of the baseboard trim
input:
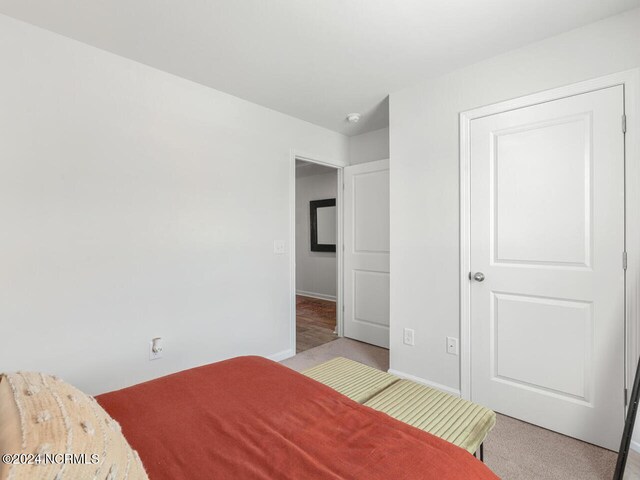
(320, 296)
(422, 381)
(635, 446)
(283, 355)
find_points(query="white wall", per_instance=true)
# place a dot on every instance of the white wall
(368, 147)
(315, 271)
(425, 177)
(137, 204)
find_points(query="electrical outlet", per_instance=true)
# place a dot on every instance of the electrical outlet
(452, 346)
(156, 348)
(409, 336)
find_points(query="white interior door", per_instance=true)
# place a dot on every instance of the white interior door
(547, 233)
(366, 252)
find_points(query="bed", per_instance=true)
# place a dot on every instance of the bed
(251, 418)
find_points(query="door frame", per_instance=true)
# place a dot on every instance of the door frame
(630, 80)
(293, 156)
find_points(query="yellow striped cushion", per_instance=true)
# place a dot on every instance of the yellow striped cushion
(451, 418)
(357, 381)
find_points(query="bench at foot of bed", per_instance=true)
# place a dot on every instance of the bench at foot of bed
(451, 418)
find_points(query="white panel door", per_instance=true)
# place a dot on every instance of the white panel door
(366, 252)
(547, 233)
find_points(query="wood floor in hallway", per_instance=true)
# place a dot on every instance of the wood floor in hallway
(315, 322)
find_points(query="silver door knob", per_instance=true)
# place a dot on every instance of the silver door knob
(479, 277)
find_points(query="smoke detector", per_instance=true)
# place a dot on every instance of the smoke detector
(353, 118)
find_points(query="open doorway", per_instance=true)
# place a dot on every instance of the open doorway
(316, 238)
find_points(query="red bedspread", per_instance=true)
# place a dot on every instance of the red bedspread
(250, 418)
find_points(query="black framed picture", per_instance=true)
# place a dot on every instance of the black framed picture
(322, 214)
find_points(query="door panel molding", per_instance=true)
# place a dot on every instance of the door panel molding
(630, 80)
(581, 325)
(531, 134)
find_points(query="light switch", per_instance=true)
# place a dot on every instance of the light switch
(279, 247)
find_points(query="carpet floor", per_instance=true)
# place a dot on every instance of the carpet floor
(514, 450)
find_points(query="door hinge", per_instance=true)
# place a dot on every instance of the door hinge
(626, 397)
(624, 123)
(624, 260)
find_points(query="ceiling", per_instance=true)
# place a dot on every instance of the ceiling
(317, 60)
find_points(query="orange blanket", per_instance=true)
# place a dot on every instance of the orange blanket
(250, 418)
